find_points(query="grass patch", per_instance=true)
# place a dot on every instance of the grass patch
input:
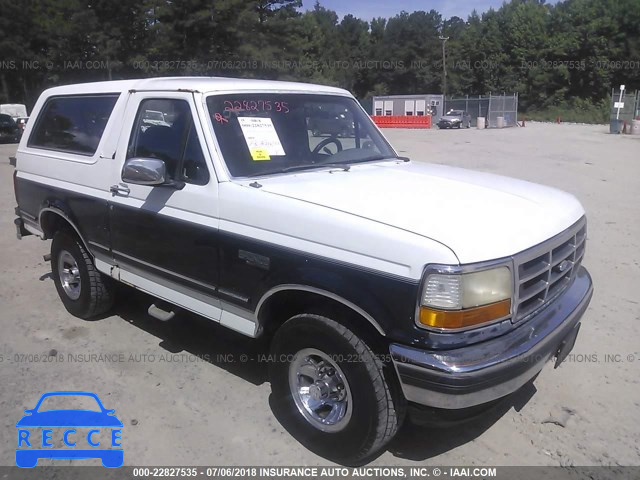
(575, 110)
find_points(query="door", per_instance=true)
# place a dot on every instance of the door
(164, 239)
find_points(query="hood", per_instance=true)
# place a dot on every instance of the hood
(451, 117)
(479, 216)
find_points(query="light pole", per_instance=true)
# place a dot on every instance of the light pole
(444, 74)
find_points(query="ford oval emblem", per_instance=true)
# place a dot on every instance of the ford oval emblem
(564, 265)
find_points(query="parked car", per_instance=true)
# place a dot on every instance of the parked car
(455, 119)
(382, 285)
(153, 117)
(9, 130)
(14, 110)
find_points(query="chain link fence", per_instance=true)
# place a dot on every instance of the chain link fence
(490, 107)
(474, 106)
(505, 107)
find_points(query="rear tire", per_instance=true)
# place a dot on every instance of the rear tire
(84, 291)
(332, 390)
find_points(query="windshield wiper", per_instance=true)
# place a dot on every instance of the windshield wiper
(311, 166)
(344, 165)
(364, 160)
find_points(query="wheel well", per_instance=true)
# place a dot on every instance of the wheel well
(52, 222)
(283, 305)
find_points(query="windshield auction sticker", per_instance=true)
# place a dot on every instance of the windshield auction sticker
(259, 154)
(261, 137)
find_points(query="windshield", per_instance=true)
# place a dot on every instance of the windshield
(455, 112)
(261, 134)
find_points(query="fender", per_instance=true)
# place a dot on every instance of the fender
(55, 209)
(56, 205)
(386, 301)
(321, 292)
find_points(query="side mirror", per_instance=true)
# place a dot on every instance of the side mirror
(144, 171)
(28, 411)
(148, 171)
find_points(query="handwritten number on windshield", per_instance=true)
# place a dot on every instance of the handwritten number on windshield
(255, 106)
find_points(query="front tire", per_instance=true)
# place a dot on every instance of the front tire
(84, 291)
(332, 390)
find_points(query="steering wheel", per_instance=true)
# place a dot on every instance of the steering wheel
(323, 144)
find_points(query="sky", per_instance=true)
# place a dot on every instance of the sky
(367, 9)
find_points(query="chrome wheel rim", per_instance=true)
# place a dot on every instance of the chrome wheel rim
(69, 275)
(320, 390)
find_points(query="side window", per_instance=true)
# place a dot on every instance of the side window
(164, 129)
(73, 123)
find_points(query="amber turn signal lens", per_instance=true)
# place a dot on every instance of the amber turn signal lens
(470, 317)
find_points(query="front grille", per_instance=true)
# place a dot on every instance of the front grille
(543, 272)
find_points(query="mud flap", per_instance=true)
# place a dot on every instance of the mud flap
(21, 231)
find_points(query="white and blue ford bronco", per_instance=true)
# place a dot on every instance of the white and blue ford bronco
(380, 283)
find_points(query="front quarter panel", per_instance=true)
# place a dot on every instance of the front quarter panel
(269, 240)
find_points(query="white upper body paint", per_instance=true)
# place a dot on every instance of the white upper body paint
(479, 216)
(390, 216)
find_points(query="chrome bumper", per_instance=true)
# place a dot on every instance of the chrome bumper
(489, 370)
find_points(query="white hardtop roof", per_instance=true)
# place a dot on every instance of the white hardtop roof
(199, 84)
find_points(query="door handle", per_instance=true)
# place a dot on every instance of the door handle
(120, 190)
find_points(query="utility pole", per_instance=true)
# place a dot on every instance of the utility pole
(444, 74)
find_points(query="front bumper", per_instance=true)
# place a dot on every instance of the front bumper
(447, 124)
(486, 371)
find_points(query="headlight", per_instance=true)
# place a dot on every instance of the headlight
(462, 300)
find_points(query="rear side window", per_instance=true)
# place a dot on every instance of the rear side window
(73, 123)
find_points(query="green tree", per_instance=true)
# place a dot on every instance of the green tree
(568, 54)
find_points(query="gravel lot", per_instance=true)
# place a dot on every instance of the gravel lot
(179, 409)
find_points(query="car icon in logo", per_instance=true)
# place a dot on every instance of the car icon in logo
(102, 428)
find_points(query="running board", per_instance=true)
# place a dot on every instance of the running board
(160, 314)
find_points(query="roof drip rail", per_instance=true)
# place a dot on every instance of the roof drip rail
(187, 90)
